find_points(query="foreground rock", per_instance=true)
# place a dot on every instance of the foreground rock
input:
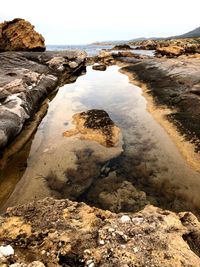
(19, 35)
(66, 233)
(26, 79)
(174, 83)
(95, 125)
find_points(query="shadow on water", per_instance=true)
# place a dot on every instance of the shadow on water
(146, 169)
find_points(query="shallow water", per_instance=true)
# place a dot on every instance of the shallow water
(94, 50)
(145, 167)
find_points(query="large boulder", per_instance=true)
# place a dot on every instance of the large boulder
(19, 35)
(170, 51)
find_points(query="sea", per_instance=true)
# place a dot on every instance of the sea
(94, 50)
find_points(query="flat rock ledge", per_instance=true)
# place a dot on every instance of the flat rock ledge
(65, 233)
(27, 78)
(95, 125)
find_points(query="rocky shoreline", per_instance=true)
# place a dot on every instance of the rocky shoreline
(53, 232)
(74, 234)
(27, 78)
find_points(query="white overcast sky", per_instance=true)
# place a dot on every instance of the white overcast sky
(86, 21)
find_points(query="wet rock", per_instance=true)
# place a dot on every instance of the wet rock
(174, 82)
(75, 233)
(121, 47)
(116, 194)
(19, 35)
(95, 125)
(26, 80)
(99, 67)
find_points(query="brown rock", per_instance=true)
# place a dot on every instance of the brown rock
(170, 51)
(95, 125)
(66, 233)
(19, 35)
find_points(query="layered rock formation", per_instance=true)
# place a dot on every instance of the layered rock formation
(74, 234)
(19, 35)
(95, 125)
(26, 79)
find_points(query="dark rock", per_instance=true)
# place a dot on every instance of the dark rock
(122, 47)
(99, 67)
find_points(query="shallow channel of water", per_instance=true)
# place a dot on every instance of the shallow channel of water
(145, 167)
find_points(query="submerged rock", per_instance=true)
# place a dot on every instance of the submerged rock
(19, 35)
(95, 125)
(60, 232)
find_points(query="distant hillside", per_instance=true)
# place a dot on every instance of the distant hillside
(191, 34)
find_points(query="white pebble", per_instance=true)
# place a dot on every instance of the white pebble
(135, 250)
(101, 242)
(6, 251)
(125, 219)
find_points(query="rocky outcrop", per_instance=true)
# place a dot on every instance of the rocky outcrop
(26, 79)
(170, 51)
(95, 125)
(65, 233)
(147, 45)
(19, 35)
(121, 47)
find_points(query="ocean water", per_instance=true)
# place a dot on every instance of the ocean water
(93, 50)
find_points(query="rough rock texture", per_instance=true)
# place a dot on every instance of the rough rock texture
(109, 57)
(147, 45)
(66, 233)
(95, 125)
(26, 79)
(170, 51)
(19, 35)
(174, 83)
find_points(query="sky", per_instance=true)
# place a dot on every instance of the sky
(87, 21)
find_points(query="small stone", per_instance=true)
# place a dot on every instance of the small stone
(101, 242)
(91, 264)
(6, 251)
(125, 219)
(135, 250)
(36, 264)
(111, 230)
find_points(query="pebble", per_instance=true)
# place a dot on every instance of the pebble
(6, 251)
(101, 242)
(135, 250)
(125, 219)
(137, 220)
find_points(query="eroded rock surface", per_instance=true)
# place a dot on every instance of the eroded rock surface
(26, 79)
(19, 35)
(66, 233)
(95, 125)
